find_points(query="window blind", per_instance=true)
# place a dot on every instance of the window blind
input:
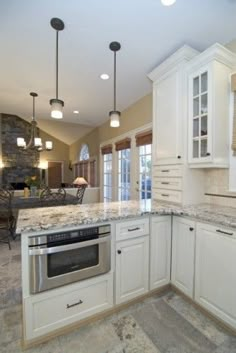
(123, 144)
(106, 149)
(143, 138)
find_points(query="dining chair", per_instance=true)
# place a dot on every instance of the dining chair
(50, 198)
(7, 219)
(80, 193)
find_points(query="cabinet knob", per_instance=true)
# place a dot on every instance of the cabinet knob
(191, 229)
(208, 154)
(179, 157)
(119, 252)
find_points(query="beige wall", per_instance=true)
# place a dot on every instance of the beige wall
(133, 117)
(60, 152)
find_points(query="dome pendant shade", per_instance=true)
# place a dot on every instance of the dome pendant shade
(114, 114)
(57, 104)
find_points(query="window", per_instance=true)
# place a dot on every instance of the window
(124, 174)
(145, 163)
(84, 153)
(86, 168)
(144, 144)
(107, 181)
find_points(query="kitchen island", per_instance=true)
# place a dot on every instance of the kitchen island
(145, 236)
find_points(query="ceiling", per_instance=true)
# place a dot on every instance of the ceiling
(148, 33)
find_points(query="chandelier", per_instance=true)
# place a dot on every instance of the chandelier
(35, 142)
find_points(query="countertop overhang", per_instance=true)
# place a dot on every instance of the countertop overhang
(64, 217)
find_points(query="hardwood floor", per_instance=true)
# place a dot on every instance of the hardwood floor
(166, 324)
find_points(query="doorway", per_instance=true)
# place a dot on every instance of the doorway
(55, 174)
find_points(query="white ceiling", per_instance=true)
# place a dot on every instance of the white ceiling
(148, 33)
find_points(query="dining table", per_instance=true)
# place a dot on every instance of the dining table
(21, 202)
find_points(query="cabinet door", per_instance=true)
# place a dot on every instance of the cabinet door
(183, 243)
(132, 262)
(200, 102)
(215, 278)
(160, 250)
(166, 126)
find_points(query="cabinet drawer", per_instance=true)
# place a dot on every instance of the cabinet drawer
(167, 171)
(167, 195)
(167, 183)
(57, 308)
(132, 229)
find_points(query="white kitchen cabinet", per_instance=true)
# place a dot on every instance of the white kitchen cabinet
(57, 308)
(183, 249)
(215, 275)
(208, 107)
(160, 251)
(132, 268)
(169, 108)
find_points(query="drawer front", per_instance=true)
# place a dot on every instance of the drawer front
(167, 195)
(47, 312)
(132, 229)
(167, 183)
(167, 171)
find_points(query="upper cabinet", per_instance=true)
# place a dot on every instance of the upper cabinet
(170, 108)
(208, 107)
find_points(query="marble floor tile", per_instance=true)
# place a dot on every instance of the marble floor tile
(169, 331)
(205, 325)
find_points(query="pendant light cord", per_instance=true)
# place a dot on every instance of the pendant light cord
(33, 118)
(56, 64)
(114, 80)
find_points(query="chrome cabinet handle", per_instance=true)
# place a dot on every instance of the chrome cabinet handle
(165, 171)
(223, 232)
(133, 229)
(165, 195)
(68, 306)
(165, 183)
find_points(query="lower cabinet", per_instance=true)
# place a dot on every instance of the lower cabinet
(132, 268)
(160, 251)
(51, 310)
(183, 252)
(215, 274)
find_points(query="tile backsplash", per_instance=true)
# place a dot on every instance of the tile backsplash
(217, 184)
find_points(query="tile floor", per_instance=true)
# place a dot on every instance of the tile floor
(166, 324)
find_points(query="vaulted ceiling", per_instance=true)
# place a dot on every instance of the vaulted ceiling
(148, 33)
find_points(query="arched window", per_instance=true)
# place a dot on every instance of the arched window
(84, 153)
(86, 167)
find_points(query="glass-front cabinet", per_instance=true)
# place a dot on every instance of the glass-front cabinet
(200, 132)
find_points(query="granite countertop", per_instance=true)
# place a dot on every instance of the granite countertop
(53, 218)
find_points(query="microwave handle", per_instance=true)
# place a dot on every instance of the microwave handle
(56, 249)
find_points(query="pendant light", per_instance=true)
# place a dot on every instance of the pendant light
(168, 2)
(35, 142)
(114, 114)
(57, 104)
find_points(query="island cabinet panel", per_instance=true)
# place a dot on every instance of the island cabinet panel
(183, 247)
(132, 268)
(215, 275)
(160, 251)
(51, 310)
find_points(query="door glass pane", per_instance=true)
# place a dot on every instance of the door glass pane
(204, 125)
(203, 148)
(195, 149)
(196, 106)
(204, 107)
(204, 82)
(196, 86)
(196, 127)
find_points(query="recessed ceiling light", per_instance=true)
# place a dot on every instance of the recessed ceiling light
(168, 2)
(104, 76)
(76, 112)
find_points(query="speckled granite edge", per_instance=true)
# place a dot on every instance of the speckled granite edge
(61, 217)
